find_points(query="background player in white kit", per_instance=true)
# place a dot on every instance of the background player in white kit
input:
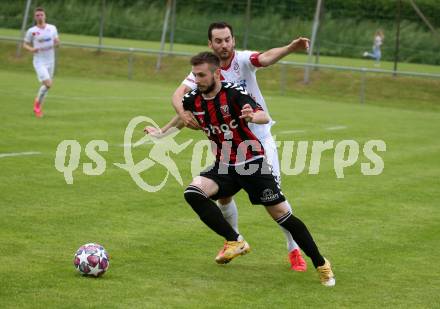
(240, 67)
(41, 40)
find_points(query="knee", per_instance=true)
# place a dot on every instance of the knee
(278, 211)
(193, 194)
(225, 201)
(47, 83)
(197, 199)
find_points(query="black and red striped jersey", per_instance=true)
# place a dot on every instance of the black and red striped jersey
(232, 141)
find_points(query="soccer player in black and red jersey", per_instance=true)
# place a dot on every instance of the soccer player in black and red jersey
(223, 111)
(240, 67)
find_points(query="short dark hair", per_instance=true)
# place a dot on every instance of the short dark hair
(206, 57)
(219, 25)
(39, 9)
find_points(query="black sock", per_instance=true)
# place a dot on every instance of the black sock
(302, 236)
(209, 213)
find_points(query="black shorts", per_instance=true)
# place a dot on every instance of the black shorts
(254, 177)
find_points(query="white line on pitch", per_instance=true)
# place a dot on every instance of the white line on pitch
(80, 98)
(95, 97)
(291, 131)
(336, 128)
(17, 154)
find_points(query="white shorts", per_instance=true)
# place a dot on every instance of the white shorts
(44, 70)
(271, 152)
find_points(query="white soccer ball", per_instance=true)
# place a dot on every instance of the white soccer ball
(91, 260)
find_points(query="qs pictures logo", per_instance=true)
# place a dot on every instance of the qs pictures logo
(164, 147)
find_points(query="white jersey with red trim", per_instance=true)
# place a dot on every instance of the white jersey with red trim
(44, 40)
(242, 71)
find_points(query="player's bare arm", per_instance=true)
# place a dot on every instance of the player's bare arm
(258, 117)
(152, 131)
(186, 117)
(178, 120)
(273, 55)
(30, 48)
(175, 122)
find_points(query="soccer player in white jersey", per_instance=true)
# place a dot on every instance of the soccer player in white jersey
(240, 67)
(41, 40)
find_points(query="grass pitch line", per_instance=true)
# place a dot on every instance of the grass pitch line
(335, 128)
(96, 98)
(17, 154)
(84, 98)
(291, 131)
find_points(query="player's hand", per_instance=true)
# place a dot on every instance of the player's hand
(247, 112)
(34, 50)
(189, 121)
(299, 44)
(155, 132)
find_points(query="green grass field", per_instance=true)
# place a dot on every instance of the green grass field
(380, 232)
(359, 63)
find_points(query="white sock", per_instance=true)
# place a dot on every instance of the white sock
(230, 213)
(42, 93)
(291, 244)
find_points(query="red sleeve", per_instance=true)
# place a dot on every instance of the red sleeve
(254, 60)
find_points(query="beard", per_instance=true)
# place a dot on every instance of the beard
(225, 54)
(209, 88)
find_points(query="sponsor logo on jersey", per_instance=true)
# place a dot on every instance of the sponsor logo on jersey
(199, 113)
(44, 40)
(200, 116)
(268, 196)
(225, 110)
(241, 83)
(236, 67)
(223, 128)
